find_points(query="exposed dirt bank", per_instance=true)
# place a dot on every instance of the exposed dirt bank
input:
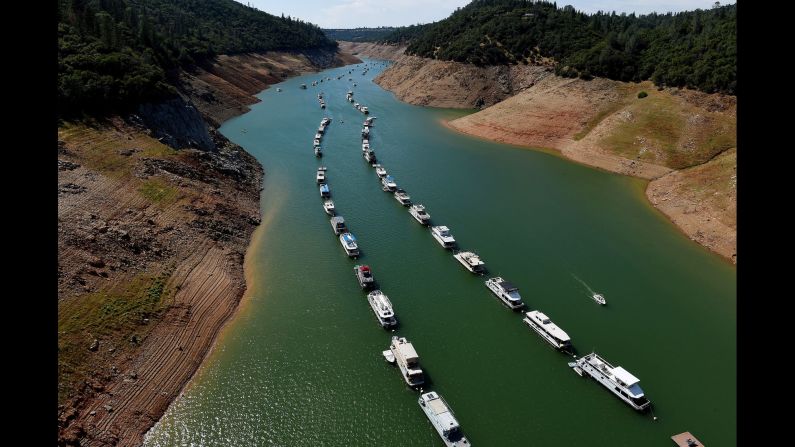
(601, 123)
(150, 251)
(227, 87)
(702, 200)
(436, 83)
(367, 49)
(155, 213)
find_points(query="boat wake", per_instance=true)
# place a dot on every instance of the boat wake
(598, 297)
(590, 291)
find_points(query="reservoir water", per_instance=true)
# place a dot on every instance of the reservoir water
(301, 364)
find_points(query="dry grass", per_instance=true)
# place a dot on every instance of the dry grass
(101, 147)
(159, 192)
(665, 130)
(115, 317)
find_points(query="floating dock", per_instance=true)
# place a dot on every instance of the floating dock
(686, 439)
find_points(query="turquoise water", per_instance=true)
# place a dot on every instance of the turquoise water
(301, 362)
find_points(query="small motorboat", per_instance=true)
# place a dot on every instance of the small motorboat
(318, 152)
(599, 298)
(390, 358)
(324, 190)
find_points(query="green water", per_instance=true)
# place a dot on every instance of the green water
(301, 363)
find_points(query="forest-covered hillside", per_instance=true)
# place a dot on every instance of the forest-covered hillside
(360, 34)
(114, 54)
(695, 49)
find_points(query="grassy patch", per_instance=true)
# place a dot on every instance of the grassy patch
(158, 191)
(665, 131)
(114, 317)
(714, 184)
(100, 147)
(603, 113)
(656, 120)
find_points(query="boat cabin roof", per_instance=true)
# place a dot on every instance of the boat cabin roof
(549, 326)
(444, 416)
(407, 351)
(507, 286)
(624, 376)
(338, 219)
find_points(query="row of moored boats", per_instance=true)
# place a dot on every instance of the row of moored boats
(401, 352)
(616, 379)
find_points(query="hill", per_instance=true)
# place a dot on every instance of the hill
(115, 54)
(360, 34)
(695, 49)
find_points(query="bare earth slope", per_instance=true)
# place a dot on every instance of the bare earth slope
(151, 242)
(601, 123)
(452, 84)
(368, 49)
(150, 250)
(225, 89)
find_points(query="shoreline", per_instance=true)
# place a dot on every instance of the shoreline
(256, 235)
(644, 191)
(245, 300)
(206, 230)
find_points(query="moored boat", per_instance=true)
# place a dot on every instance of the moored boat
(338, 225)
(442, 419)
(382, 308)
(380, 171)
(471, 261)
(506, 292)
(408, 361)
(348, 241)
(616, 379)
(442, 235)
(369, 155)
(364, 276)
(548, 330)
(328, 206)
(418, 212)
(389, 183)
(403, 197)
(324, 190)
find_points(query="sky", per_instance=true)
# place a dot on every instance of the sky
(374, 13)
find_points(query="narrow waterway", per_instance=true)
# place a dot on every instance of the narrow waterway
(301, 363)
